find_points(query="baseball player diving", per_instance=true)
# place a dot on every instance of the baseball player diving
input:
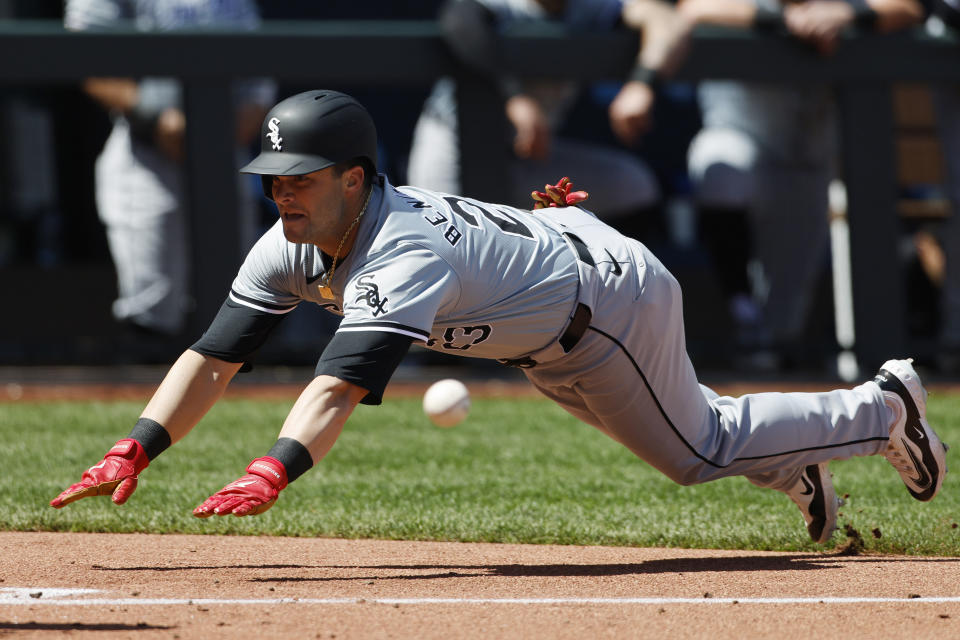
(591, 316)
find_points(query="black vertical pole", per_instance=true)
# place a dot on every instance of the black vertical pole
(869, 171)
(483, 131)
(212, 192)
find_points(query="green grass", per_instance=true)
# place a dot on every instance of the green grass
(518, 470)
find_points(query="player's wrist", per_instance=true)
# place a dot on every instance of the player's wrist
(293, 456)
(152, 436)
(646, 75)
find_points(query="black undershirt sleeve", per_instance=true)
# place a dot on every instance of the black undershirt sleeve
(237, 332)
(364, 358)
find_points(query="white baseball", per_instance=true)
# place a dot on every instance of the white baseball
(446, 402)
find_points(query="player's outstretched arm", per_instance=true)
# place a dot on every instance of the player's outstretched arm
(309, 432)
(190, 388)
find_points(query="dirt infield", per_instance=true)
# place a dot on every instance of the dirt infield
(172, 586)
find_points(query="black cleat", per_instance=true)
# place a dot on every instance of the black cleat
(817, 500)
(914, 449)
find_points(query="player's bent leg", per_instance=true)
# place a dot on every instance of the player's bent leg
(634, 377)
(572, 403)
(655, 407)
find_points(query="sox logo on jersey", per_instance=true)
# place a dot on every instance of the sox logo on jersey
(371, 295)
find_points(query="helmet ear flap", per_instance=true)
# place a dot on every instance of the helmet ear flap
(267, 182)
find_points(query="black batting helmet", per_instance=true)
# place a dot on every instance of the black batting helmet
(311, 131)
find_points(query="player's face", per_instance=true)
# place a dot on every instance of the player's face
(311, 206)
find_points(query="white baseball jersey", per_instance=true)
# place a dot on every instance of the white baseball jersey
(483, 280)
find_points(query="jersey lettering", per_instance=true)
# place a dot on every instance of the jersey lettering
(508, 224)
(462, 338)
(452, 336)
(413, 202)
(453, 235)
(502, 219)
(456, 206)
(437, 220)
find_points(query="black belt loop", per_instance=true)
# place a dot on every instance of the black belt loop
(577, 327)
(582, 316)
(571, 336)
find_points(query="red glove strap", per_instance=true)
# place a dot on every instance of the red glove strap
(132, 450)
(271, 469)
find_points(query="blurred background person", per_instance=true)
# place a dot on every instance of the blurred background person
(140, 186)
(761, 166)
(622, 186)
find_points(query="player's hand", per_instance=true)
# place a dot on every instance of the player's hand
(249, 495)
(819, 22)
(533, 138)
(558, 195)
(631, 112)
(115, 475)
(170, 132)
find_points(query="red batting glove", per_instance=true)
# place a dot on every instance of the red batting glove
(558, 195)
(252, 494)
(116, 475)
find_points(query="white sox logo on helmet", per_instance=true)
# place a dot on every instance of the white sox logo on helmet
(274, 135)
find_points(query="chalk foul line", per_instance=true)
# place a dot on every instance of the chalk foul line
(28, 596)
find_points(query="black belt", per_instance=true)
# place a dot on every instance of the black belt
(581, 316)
(577, 327)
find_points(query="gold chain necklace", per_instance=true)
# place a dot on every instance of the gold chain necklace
(324, 286)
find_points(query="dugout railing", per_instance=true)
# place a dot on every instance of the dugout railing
(372, 53)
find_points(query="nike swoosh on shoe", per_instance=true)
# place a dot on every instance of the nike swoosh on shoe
(923, 478)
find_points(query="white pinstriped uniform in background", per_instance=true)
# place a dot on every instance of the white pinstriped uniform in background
(140, 191)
